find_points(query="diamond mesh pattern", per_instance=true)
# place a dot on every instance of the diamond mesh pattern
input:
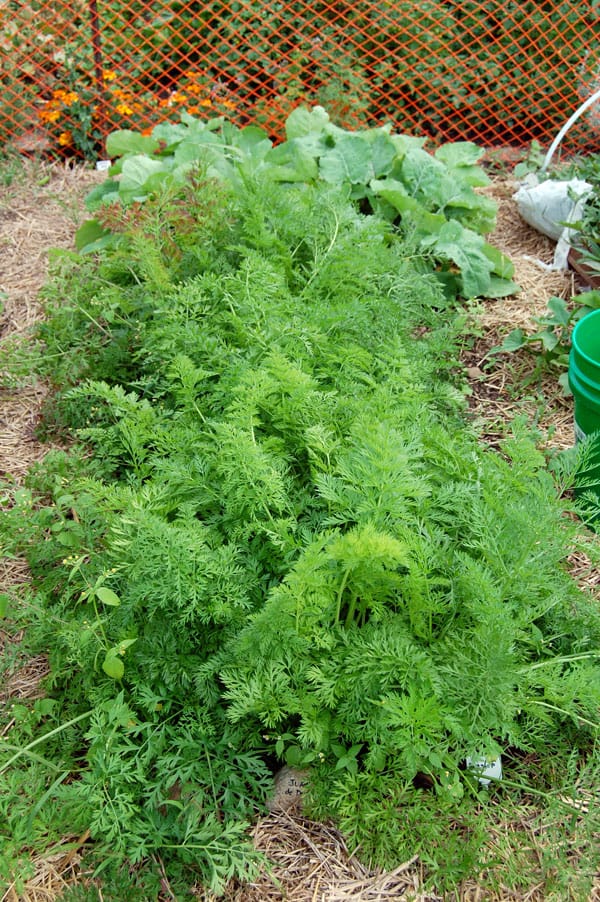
(496, 72)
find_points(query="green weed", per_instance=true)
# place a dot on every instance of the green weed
(551, 343)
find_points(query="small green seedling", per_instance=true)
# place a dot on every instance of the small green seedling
(552, 341)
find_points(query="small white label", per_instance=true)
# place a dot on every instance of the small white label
(103, 165)
(486, 769)
(580, 435)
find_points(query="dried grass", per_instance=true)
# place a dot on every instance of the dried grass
(497, 382)
(310, 861)
(52, 873)
(530, 252)
(19, 415)
(585, 572)
(37, 212)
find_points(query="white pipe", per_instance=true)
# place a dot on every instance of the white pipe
(584, 106)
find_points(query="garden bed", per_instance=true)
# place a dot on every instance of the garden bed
(311, 859)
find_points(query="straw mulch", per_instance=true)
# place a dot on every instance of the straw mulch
(38, 211)
(504, 386)
(310, 861)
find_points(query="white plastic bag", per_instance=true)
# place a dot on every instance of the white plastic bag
(486, 769)
(547, 206)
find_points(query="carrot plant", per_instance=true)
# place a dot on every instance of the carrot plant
(275, 538)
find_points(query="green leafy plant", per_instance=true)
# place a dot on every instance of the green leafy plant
(587, 238)
(429, 197)
(314, 559)
(532, 161)
(585, 254)
(551, 343)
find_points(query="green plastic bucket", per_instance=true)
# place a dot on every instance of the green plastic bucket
(584, 382)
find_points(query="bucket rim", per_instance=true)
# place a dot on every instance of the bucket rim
(592, 360)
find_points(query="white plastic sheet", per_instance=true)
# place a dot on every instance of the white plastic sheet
(549, 206)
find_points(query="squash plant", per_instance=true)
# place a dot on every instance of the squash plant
(428, 196)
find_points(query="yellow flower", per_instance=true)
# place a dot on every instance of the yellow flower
(65, 139)
(206, 101)
(109, 75)
(193, 89)
(229, 105)
(123, 109)
(49, 115)
(66, 97)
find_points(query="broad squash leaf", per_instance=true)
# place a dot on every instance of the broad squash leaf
(303, 121)
(464, 248)
(126, 141)
(91, 237)
(349, 161)
(136, 172)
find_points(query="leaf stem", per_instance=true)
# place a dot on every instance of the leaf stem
(40, 739)
(340, 593)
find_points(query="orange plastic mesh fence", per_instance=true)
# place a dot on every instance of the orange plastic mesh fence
(496, 72)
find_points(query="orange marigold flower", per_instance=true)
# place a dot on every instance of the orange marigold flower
(66, 97)
(65, 139)
(193, 89)
(206, 101)
(147, 131)
(119, 94)
(229, 104)
(193, 110)
(108, 74)
(123, 109)
(49, 115)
